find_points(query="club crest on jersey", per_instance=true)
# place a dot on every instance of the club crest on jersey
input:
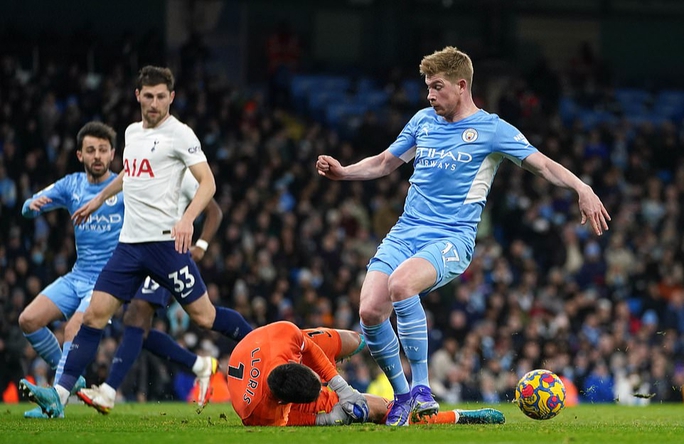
(469, 135)
(154, 146)
(138, 167)
(112, 201)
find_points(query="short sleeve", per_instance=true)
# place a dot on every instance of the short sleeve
(187, 146)
(404, 146)
(510, 142)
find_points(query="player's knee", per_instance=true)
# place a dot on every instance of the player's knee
(203, 320)
(371, 314)
(133, 319)
(202, 312)
(400, 287)
(28, 322)
(95, 319)
(139, 315)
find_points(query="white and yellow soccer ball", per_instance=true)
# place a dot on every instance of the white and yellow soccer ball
(540, 394)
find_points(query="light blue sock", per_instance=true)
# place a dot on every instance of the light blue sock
(46, 345)
(412, 330)
(384, 348)
(62, 360)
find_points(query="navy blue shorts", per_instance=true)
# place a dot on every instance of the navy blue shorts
(154, 293)
(131, 264)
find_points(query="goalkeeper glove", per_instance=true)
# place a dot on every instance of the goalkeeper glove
(352, 402)
(337, 416)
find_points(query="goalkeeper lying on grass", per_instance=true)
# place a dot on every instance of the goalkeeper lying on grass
(275, 374)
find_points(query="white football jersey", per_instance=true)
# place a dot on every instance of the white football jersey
(155, 161)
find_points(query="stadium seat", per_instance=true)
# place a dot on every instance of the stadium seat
(414, 90)
(635, 305)
(568, 110)
(373, 99)
(319, 99)
(669, 104)
(345, 116)
(301, 86)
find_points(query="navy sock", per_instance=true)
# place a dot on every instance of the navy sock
(83, 351)
(126, 354)
(165, 347)
(230, 323)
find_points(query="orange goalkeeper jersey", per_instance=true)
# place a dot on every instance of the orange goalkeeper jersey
(252, 361)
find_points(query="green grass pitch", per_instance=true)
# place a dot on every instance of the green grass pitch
(175, 423)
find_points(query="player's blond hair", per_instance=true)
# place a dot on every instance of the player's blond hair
(450, 62)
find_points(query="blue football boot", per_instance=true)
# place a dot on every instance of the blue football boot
(46, 398)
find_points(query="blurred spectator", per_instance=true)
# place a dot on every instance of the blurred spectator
(598, 386)
(441, 363)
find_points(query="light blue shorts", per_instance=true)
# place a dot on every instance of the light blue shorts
(70, 293)
(450, 257)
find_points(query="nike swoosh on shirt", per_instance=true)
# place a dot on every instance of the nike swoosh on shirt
(183, 295)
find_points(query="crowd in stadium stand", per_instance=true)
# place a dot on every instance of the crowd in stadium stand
(607, 314)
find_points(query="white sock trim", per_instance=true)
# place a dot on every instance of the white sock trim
(63, 394)
(198, 366)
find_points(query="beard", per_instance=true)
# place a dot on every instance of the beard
(97, 174)
(153, 120)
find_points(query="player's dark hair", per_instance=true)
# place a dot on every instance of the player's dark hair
(96, 129)
(294, 383)
(155, 75)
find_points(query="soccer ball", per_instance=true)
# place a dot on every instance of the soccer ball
(540, 394)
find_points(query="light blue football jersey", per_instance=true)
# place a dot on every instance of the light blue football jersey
(97, 237)
(454, 166)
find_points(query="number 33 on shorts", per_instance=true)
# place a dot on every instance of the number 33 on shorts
(183, 281)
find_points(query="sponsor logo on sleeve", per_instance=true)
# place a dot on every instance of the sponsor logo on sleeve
(521, 138)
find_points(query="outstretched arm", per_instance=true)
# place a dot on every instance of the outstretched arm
(46, 199)
(590, 205)
(369, 168)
